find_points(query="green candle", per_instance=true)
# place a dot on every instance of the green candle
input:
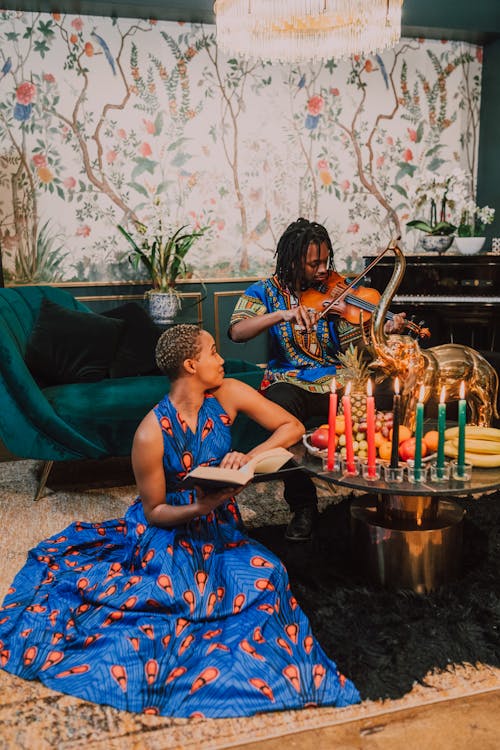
(419, 433)
(441, 429)
(462, 412)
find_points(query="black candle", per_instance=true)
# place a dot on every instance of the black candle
(396, 403)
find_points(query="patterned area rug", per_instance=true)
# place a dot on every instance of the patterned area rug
(375, 637)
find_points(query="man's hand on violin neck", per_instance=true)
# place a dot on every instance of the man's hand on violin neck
(397, 324)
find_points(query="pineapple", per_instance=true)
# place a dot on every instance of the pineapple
(354, 369)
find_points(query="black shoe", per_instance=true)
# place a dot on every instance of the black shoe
(300, 528)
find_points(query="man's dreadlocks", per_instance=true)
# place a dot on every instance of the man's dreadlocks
(292, 250)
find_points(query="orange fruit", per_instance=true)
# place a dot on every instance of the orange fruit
(384, 450)
(404, 433)
(431, 440)
(340, 424)
(379, 439)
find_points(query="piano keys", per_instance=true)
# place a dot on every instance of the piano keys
(458, 296)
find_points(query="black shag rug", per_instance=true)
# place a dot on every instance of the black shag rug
(387, 640)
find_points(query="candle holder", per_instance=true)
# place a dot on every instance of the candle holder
(417, 475)
(336, 463)
(374, 474)
(352, 472)
(393, 475)
(461, 472)
(440, 473)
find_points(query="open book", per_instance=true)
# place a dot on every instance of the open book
(215, 477)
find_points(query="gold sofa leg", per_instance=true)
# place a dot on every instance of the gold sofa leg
(47, 466)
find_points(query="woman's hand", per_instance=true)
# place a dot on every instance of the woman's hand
(234, 460)
(208, 501)
(397, 324)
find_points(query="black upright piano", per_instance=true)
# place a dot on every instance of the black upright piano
(458, 296)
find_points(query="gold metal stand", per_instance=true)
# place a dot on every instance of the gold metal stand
(47, 466)
(407, 541)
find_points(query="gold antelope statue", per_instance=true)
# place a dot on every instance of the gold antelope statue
(445, 365)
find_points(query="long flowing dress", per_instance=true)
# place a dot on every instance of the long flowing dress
(195, 620)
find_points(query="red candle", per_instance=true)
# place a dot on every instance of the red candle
(332, 418)
(370, 430)
(346, 403)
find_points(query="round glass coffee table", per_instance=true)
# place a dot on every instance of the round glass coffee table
(405, 534)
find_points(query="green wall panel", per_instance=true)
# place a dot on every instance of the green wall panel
(488, 183)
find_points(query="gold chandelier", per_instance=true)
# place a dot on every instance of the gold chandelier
(306, 30)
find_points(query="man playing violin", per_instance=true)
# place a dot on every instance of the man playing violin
(303, 345)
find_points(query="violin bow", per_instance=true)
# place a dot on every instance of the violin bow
(392, 244)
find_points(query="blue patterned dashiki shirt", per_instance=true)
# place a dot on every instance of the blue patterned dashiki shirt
(307, 359)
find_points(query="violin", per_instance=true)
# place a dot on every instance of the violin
(360, 302)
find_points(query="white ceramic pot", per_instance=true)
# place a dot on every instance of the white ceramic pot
(469, 245)
(163, 307)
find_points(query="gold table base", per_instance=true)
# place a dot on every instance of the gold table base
(407, 541)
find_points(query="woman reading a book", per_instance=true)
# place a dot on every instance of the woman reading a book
(173, 609)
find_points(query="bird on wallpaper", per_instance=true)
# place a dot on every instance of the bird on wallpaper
(6, 68)
(103, 45)
(382, 70)
(302, 82)
(261, 228)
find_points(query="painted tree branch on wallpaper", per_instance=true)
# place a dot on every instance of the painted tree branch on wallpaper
(231, 84)
(100, 117)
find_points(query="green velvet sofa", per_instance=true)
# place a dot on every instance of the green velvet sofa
(83, 419)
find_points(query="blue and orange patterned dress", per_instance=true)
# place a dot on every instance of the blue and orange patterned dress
(196, 620)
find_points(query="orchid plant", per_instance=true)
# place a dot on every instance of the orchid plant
(474, 219)
(442, 195)
(161, 248)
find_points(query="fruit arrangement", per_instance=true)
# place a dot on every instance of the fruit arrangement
(482, 445)
(383, 438)
(355, 370)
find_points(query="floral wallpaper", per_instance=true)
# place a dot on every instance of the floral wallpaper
(101, 118)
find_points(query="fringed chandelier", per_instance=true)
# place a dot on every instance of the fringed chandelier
(306, 30)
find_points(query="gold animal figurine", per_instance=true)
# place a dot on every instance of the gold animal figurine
(446, 365)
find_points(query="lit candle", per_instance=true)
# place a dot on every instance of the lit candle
(462, 412)
(419, 433)
(396, 405)
(332, 419)
(441, 429)
(346, 403)
(370, 430)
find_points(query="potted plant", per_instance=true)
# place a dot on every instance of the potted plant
(162, 250)
(441, 194)
(470, 234)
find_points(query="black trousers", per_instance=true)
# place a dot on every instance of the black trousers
(300, 490)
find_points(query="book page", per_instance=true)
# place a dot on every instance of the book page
(270, 461)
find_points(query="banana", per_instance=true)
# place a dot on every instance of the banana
(473, 431)
(479, 446)
(481, 460)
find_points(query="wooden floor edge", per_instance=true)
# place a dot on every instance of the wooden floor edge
(314, 725)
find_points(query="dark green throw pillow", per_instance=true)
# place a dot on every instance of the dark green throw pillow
(69, 346)
(136, 350)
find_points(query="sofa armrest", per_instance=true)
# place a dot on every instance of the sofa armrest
(29, 426)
